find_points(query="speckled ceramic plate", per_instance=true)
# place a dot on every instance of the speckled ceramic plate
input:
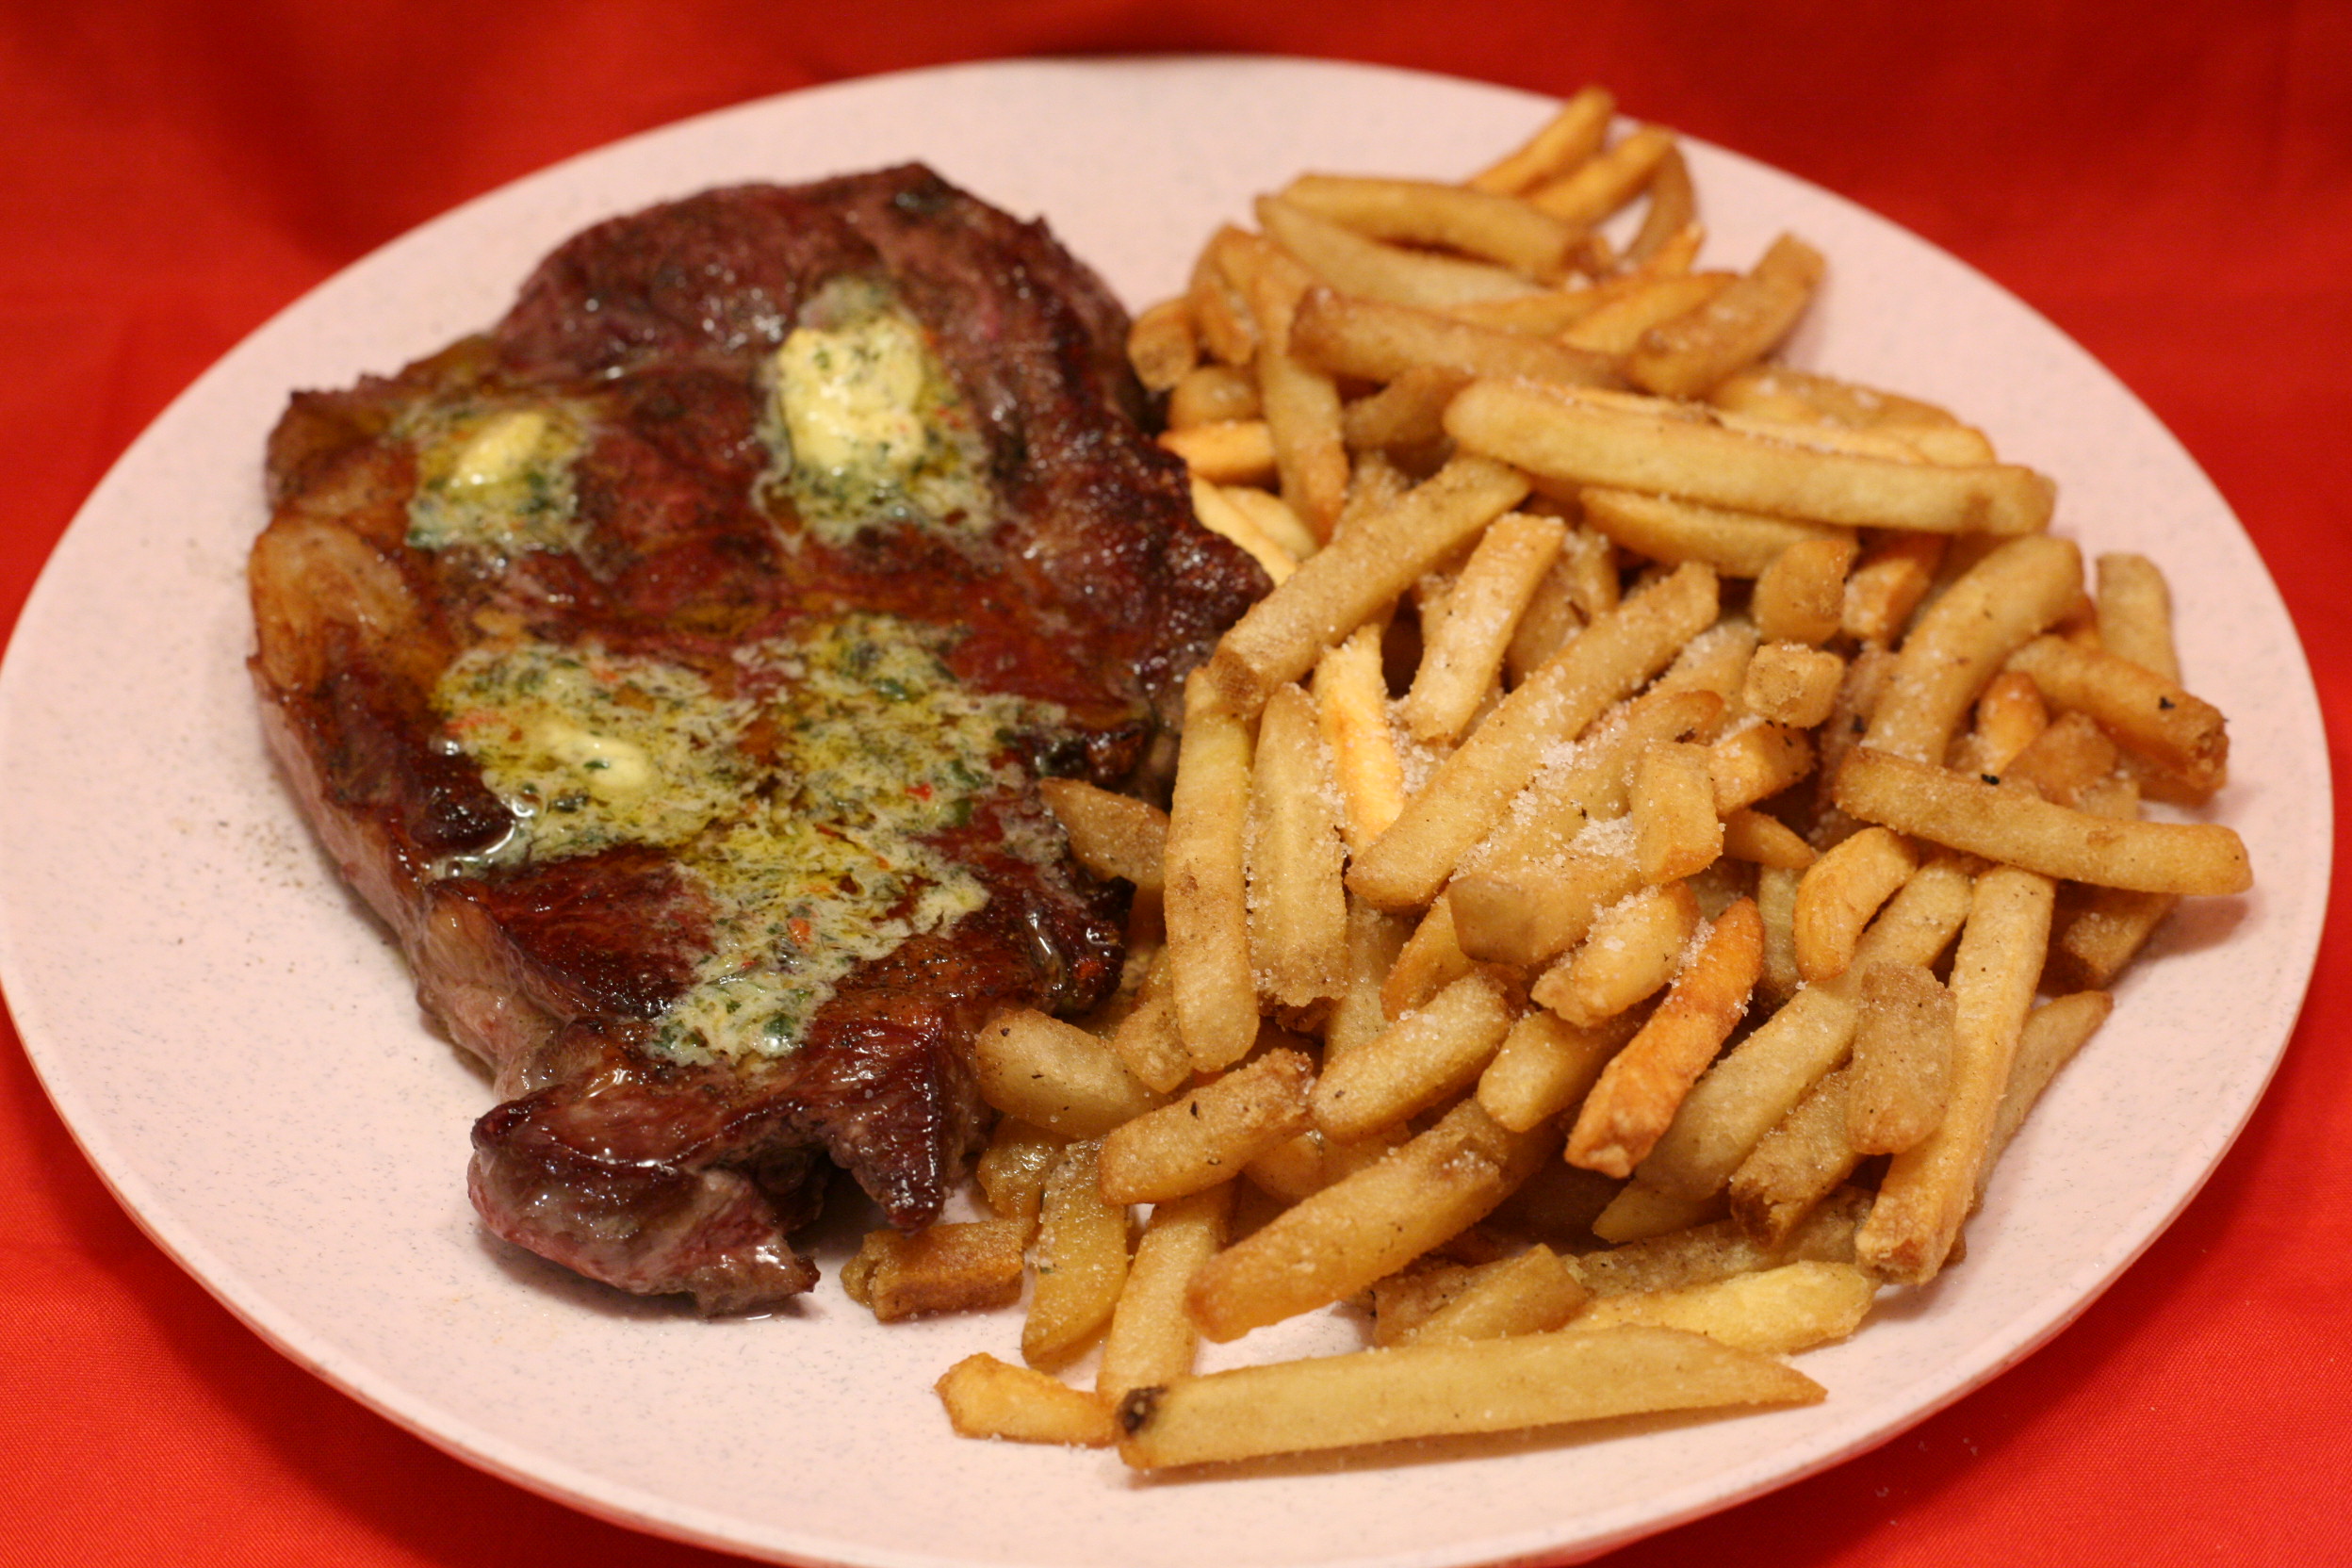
(234, 1045)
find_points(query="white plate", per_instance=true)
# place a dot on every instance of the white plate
(236, 1047)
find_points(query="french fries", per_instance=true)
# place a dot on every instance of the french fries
(1563, 857)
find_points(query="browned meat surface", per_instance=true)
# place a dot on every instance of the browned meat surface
(695, 795)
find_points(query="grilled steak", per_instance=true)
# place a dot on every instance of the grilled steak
(668, 666)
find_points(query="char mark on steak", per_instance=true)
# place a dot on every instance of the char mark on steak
(692, 770)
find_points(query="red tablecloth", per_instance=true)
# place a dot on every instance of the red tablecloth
(2171, 183)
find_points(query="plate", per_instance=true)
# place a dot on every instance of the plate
(236, 1047)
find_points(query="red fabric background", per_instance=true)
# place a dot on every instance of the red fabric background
(2172, 184)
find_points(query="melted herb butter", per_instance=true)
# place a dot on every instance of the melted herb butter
(818, 858)
(865, 424)
(498, 480)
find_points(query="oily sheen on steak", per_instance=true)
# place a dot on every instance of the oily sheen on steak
(668, 668)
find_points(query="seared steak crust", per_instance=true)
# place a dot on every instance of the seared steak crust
(1085, 596)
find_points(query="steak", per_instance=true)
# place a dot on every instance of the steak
(668, 668)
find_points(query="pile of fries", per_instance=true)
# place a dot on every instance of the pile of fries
(1622, 1006)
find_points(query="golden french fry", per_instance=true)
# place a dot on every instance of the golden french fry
(1757, 763)
(1204, 1138)
(1211, 395)
(1368, 1224)
(1300, 402)
(1674, 210)
(2141, 709)
(1574, 133)
(1607, 181)
(1408, 412)
(1887, 584)
(1805, 1157)
(1523, 915)
(1082, 1261)
(1375, 941)
(1545, 1065)
(1776, 904)
(1572, 434)
(1011, 1171)
(2010, 716)
(1692, 354)
(1455, 217)
(1636, 1098)
(1619, 327)
(2135, 614)
(2015, 827)
(1429, 961)
(1417, 1061)
(988, 1397)
(1352, 704)
(968, 1266)
(1775, 1313)
(1715, 660)
(1839, 894)
(1633, 948)
(1720, 1250)
(1228, 451)
(1214, 988)
(1379, 340)
(1758, 1082)
(1463, 800)
(1441, 1390)
(1372, 270)
(1766, 841)
(1220, 313)
(1531, 1293)
(1676, 830)
(1640, 1212)
(1902, 1068)
(1994, 609)
(1930, 1188)
(1367, 564)
(1797, 397)
(1055, 1075)
(1298, 909)
(1800, 597)
(1112, 835)
(1150, 1339)
(1461, 660)
(1789, 683)
(1148, 1040)
(1215, 510)
(1161, 345)
(1736, 544)
(2099, 930)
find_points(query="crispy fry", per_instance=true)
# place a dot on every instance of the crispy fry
(1298, 909)
(1633, 948)
(1574, 133)
(1375, 941)
(988, 1397)
(1531, 1293)
(1459, 662)
(1228, 451)
(1150, 1339)
(1301, 400)
(1619, 327)
(968, 1266)
(1794, 397)
(1368, 1224)
(1607, 181)
(1207, 889)
(1213, 394)
(1220, 313)
(1465, 797)
(1408, 412)
(1011, 1171)
(1777, 1312)
(1791, 684)
(1376, 341)
(1055, 1075)
(1721, 1249)
(1930, 1188)
(1545, 1065)
(1441, 1390)
(1455, 218)
(1148, 1041)
(1576, 436)
(1690, 354)
(1800, 1161)
(1991, 612)
(1640, 1212)
(1887, 583)
(1205, 1137)
(1366, 566)
(1525, 914)
(1112, 835)
(1902, 1068)
(2010, 715)
(2141, 709)
(1673, 210)
(1757, 763)
(2017, 827)
(1801, 595)
(1736, 544)
(1676, 830)
(2135, 614)
(1372, 270)
(1424, 1056)
(1082, 1261)
(1839, 894)
(1160, 344)
(1414, 1063)
(1635, 1101)
(1430, 960)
